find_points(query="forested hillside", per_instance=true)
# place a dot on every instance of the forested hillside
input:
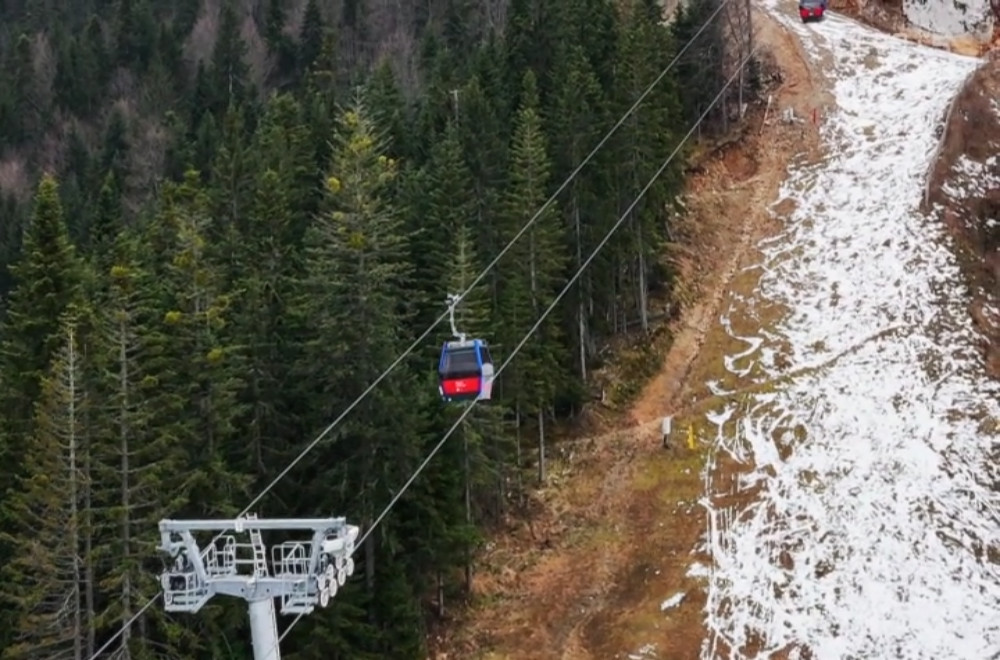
(222, 220)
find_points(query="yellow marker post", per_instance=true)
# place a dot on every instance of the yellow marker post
(691, 437)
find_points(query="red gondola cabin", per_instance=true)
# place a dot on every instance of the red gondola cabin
(465, 371)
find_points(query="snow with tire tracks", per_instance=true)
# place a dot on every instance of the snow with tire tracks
(870, 453)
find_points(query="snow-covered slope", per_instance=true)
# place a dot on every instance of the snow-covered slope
(952, 18)
(866, 540)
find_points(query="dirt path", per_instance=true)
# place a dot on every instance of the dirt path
(620, 519)
(745, 178)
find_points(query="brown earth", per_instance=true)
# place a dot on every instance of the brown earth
(972, 132)
(618, 523)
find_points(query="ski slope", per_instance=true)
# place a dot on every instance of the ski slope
(866, 537)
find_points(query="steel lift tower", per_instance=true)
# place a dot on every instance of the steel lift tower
(302, 574)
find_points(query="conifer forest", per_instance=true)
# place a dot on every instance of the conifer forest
(222, 220)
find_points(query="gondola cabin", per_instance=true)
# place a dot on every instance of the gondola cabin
(465, 371)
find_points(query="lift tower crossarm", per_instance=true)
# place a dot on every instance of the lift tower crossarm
(244, 524)
(302, 573)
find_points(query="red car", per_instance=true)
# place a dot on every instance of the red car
(812, 9)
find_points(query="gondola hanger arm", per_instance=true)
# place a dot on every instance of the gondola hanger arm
(453, 300)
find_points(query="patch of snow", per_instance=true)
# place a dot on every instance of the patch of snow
(721, 417)
(952, 18)
(647, 652)
(698, 570)
(874, 461)
(969, 178)
(731, 360)
(672, 602)
(716, 389)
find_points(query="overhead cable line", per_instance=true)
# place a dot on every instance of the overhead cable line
(548, 310)
(419, 340)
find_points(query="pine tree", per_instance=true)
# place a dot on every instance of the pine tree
(47, 279)
(231, 176)
(47, 519)
(446, 198)
(107, 222)
(644, 143)
(576, 125)
(283, 144)
(388, 108)
(533, 270)
(204, 367)
(230, 74)
(353, 295)
(138, 452)
(265, 263)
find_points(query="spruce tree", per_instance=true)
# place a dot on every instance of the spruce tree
(311, 36)
(264, 264)
(437, 516)
(230, 74)
(106, 223)
(388, 109)
(136, 451)
(533, 270)
(356, 270)
(643, 144)
(484, 145)
(231, 176)
(283, 143)
(577, 120)
(47, 279)
(353, 296)
(700, 69)
(482, 457)
(205, 367)
(46, 518)
(447, 198)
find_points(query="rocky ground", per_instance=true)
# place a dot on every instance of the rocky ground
(963, 190)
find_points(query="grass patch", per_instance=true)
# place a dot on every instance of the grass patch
(634, 364)
(664, 523)
(674, 474)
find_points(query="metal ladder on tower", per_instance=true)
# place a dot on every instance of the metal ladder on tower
(259, 552)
